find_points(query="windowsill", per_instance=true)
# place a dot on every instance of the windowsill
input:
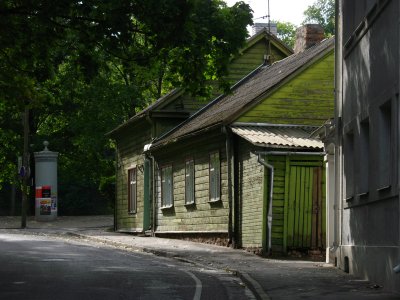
(214, 200)
(384, 188)
(348, 199)
(132, 212)
(190, 204)
(167, 207)
(362, 194)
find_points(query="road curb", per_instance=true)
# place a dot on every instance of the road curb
(252, 284)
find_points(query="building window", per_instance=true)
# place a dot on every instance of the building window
(132, 190)
(363, 159)
(166, 186)
(215, 178)
(385, 144)
(348, 148)
(189, 181)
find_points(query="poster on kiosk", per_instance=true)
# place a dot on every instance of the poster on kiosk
(45, 203)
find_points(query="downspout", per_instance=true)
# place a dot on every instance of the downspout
(153, 196)
(338, 227)
(269, 207)
(228, 145)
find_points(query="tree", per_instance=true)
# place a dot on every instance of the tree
(286, 32)
(82, 67)
(322, 12)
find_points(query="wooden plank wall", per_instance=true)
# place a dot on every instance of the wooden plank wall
(305, 188)
(305, 99)
(201, 216)
(129, 151)
(250, 192)
(278, 202)
(250, 59)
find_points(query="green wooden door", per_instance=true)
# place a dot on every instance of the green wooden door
(305, 210)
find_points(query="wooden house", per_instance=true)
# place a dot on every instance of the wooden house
(244, 169)
(134, 179)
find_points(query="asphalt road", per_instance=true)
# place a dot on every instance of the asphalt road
(33, 267)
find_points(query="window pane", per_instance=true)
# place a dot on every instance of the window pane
(349, 165)
(166, 186)
(363, 159)
(189, 181)
(385, 132)
(132, 189)
(214, 177)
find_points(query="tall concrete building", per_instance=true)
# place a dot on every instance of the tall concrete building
(366, 230)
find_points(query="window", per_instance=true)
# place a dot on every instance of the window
(166, 186)
(363, 159)
(349, 165)
(214, 170)
(132, 189)
(189, 181)
(385, 158)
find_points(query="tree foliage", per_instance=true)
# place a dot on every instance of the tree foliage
(322, 12)
(286, 32)
(83, 67)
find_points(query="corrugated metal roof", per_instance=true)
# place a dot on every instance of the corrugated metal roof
(278, 136)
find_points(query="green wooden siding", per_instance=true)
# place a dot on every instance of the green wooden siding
(250, 59)
(305, 99)
(202, 216)
(292, 217)
(278, 200)
(250, 192)
(295, 201)
(239, 67)
(129, 154)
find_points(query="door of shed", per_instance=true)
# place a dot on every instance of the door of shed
(305, 207)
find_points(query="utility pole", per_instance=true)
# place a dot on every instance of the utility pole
(24, 172)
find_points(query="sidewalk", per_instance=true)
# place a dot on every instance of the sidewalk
(268, 278)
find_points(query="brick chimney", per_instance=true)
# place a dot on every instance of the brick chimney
(307, 36)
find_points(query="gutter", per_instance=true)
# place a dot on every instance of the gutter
(290, 153)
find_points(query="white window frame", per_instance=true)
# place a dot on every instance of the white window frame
(167, 186)
(189, 181)
(214, 177)
(132, 190)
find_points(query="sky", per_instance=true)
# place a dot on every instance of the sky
(280, 10)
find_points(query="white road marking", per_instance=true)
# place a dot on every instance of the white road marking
(199, 285)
